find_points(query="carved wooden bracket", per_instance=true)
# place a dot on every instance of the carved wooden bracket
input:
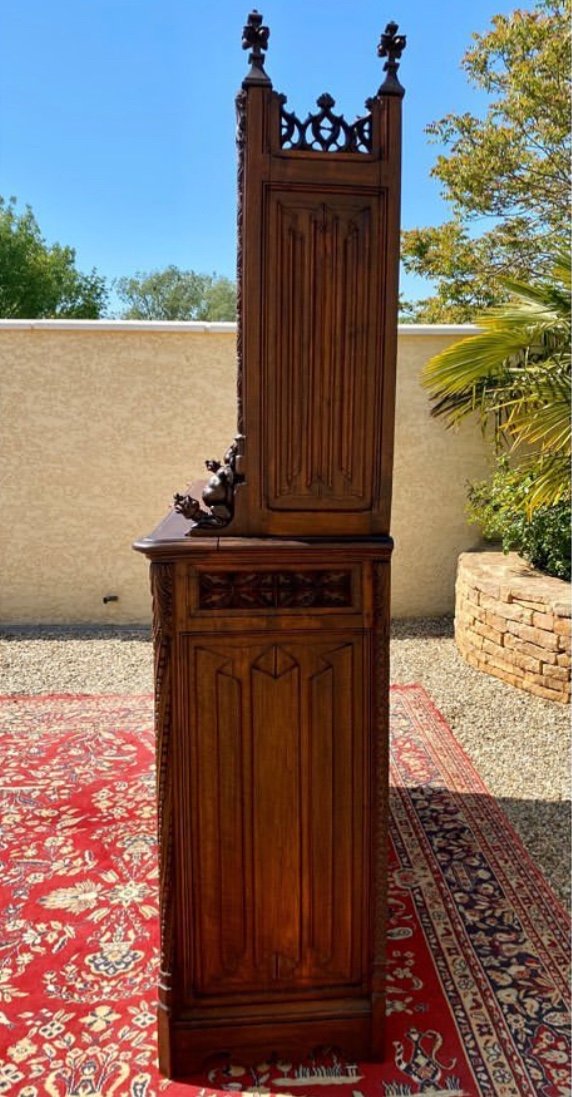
(217, 508)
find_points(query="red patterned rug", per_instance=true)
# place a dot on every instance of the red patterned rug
(478, 943)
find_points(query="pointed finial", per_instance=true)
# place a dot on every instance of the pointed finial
(391, 45)
(255, 38)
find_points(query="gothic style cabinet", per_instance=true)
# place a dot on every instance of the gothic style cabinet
(271, 610)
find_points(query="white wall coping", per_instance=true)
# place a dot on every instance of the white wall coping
(208, 327)
(118, 325)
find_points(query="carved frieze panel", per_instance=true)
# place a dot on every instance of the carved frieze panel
(259, 590)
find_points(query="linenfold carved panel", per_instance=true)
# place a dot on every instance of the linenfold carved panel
(274, 721)
(319, 397)
(219, 818)
(277, 812)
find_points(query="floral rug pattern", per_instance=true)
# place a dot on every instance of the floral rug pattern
(478, 945)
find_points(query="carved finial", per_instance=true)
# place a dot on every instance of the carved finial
(255, 38)
(391, 45)
(325, 102)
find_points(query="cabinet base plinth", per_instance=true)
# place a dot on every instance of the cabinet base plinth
(186, 1049)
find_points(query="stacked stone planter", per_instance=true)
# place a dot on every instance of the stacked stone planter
(514, 622)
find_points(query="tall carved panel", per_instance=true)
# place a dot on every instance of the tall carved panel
(326, 386)
(271, 610)
(279, 778)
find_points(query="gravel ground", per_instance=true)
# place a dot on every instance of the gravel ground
(519, 743)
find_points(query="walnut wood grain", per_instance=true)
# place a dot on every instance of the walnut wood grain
(278, 812)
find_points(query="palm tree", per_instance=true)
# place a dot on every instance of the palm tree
(515, 374)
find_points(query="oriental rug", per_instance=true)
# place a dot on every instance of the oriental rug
(478, 944)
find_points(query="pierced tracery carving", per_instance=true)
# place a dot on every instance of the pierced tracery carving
(217, 508)
(324, 131)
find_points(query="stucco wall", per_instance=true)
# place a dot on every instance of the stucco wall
(102, 422)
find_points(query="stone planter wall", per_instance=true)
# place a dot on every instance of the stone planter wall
(514, 622)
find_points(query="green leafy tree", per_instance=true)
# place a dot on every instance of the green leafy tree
(174, 294)
(39, 280)
(510, 167)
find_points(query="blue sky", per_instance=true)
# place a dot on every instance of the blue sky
(117, 116)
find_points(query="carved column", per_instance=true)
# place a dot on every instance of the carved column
(161, 576)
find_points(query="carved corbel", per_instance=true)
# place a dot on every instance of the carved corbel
(217, 507)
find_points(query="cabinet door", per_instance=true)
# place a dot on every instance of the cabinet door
(272, 785)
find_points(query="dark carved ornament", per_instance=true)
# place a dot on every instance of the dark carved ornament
(217, 508)
(241, 152)
(275, 589)
(391, 45)
(255, 38)
(324, 131)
